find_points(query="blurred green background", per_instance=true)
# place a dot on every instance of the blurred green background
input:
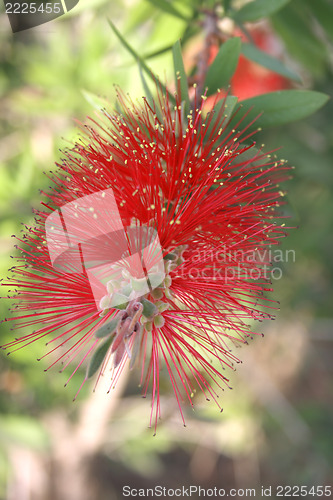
(277, 424)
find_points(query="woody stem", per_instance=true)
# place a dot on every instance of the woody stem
(211, 31)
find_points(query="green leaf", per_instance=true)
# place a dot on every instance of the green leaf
(229, 106)
(221, 113)
(153, 104)
(323, 11)
(158, 52)
(295, 27)
(226, 5)
(224, 65)
(140, 60)
(98, 357)
(107, 329)
(258, 9)
(180, 75)
(146, 89)
(252, 52)
(169, 8)
(282, 107)
(129, 48)
(94, 100)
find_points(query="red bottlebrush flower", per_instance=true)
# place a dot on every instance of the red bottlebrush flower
(186, 201)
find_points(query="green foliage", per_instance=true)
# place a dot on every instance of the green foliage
(222, 112)
(139, 59)
(180, 75)
(257, 9)
(285, 106)
(296, 27)
(97, 102)
(169, 8)
(107, 328)
(224, 65)
(252, 52)
(323, 12)
(98, 357)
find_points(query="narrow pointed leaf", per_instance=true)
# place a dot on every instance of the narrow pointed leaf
(180, 75)
(146, 89)
(158, 52)
(283, 107)
(98, 357)
(257, 9)
(169, 8)
(224, 65)
(107, 329)
(140, 60)
(252, 52)
(153, 104)
(94, 100)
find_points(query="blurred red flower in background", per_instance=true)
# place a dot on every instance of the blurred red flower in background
(251, 79)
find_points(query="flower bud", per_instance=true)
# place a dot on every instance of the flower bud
(157, 293)
(159, 321)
